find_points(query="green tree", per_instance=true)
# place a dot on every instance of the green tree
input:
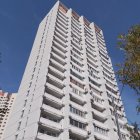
(129, 70)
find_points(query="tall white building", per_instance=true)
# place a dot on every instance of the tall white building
(68, 85)
(6, 104)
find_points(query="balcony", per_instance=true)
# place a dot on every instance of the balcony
(58, 52)
(114, 95)
(98, 136)
(51, 124)
(63, 16)
(76, 21)
(78, 118)
(121, 120)
(51, 110)
(109, 84)
(95, 84)
(41, 136)
(112, 90)
(89, 40)
(59, 47)
(87, 32)
(76, 44)
(80, 133)
(54, 99)
(61, 28)
(89, 43)
(98, 106)
(63, 33)
(93, 77)
(77, 98)
(80, 107)
(60, 42)
(79, 37)
(56, 73)
(58, 59)
(100, 132)
(92, 58)
(77, 75)
(57, 66)
(60, 36)
(91, 51)
(95, 92)
(77, 82)
(100, 116)
(56, 91)
(75, 25)
(52, 103)
(77, 62)
(90, 37)
(56, 76)
(100, 125)
(92, 63)
(60, 22)
(78, 30)
(55, 81)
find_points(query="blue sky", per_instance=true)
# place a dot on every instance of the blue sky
(19, 20)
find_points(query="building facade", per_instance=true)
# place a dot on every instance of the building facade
(68, 85)
(6, 104)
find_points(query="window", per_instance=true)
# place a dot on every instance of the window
(76, 111)
(76, 68)
(107, 76)
(75, 50)
(76, 56)
(76, 83)
(111, 90)
(100, 130)
(96, 99)
(77, 124)
(76, 75)
(92, 70)
(50, 118)
(76, 62)
(93, 75)
(76, 91)
(50, 133)
(94, 83)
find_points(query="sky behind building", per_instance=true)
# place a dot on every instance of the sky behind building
(19, 21)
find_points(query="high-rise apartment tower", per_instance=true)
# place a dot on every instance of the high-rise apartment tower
(6, 104)
(67, 89)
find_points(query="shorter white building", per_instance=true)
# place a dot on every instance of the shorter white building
(6, 104)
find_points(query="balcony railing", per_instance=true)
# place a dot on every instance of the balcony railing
(50, 124)
(52, 110)
(54, 99)
(55, 81)
(55, 89)
(58, 52)
(57, 65)
(59, 47)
